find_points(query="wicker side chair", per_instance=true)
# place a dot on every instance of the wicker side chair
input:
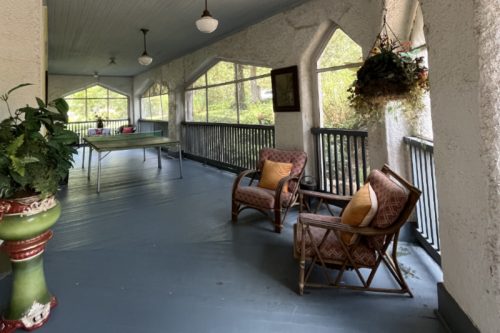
(318, 239)
(277, 202)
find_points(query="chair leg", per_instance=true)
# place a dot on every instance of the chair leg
(278, 225)
(234, 212)
(302, 262)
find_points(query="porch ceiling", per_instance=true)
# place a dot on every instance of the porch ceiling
(83, 35)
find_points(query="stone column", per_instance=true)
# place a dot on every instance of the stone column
(463, 41)
(22, 52)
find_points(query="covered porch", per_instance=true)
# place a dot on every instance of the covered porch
(165, 257)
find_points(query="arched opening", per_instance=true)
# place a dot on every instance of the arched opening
(96, 101)
(336, 69)
(231, 93)
(154, 102)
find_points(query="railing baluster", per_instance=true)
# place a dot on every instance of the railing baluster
(356, 161)
(349, 164)
(231, 146)
(423, 173)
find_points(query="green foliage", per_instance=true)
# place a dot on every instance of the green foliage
(36, 150)
(389, 75)
(85, 104)
(251, 98)
(341, 57)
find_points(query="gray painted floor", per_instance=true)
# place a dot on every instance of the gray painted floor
(154, 253)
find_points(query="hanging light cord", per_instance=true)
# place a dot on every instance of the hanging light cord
(144, 32)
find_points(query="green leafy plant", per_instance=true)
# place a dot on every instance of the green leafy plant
(36, 149)
(389, 74)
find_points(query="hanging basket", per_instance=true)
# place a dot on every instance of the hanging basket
(388, 74)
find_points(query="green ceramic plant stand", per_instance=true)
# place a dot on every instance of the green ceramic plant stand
(25, 235)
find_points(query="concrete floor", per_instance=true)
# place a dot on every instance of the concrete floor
(155, 253)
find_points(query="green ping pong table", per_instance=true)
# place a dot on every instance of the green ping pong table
(109, 143)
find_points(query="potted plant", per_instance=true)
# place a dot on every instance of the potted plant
(389, 74)
(36, 152)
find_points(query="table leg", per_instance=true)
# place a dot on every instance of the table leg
(144, 153)
(98, 172)
(180, 159)
(83, 157)
(159, 157)
(90, 161)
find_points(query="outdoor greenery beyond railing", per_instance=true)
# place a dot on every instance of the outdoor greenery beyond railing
(230, 146)
(81, 127)
(424, 178)
(146, 125)
(340, 159)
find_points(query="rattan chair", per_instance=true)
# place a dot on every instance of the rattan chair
(277, 202)
(317, 239)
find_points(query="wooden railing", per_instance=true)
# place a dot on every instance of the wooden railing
(340, 159)
(424, 177)
(81, 127)
(229, 146)
(146, 125)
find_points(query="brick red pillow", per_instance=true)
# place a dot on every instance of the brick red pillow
(128, 130)
(391, 199)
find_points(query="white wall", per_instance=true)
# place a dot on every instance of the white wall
(463, 39)
(22, 51)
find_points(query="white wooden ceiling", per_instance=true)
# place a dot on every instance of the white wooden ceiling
(84, 34)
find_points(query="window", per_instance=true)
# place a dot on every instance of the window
(337, 67)
(231, 93)
(154, 102)
(87, 104)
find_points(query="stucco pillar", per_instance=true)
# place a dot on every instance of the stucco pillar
(22, 59)
(22, 55)
(463, 41)
(385, 140)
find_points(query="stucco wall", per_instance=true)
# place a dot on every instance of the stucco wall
(465, 110)
(22, 51)
(283, 40)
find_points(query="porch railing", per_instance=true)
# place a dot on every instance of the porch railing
(81, 127)
(229, 146)
(340, 159)
(146, 125)
(424, 177)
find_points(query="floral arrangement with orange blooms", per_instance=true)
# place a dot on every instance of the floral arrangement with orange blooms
(389, 74)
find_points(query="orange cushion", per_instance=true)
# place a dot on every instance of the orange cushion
(360, 211)
(272, 173)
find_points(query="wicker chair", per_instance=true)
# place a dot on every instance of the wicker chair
(322, 246)
(264, 200)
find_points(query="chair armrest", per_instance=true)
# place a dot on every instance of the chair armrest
(242, 174)
(334, 223)
(340, 200)
(279, 190)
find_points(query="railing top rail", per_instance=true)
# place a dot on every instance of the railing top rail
(419, 143)
(152, 121)
(192, 123)
(93, 121)
(340, 131)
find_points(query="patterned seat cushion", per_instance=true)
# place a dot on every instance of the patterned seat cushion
(259, 197)
(332, 249)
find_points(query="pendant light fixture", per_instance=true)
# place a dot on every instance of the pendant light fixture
(206, 23)
(145, 59)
